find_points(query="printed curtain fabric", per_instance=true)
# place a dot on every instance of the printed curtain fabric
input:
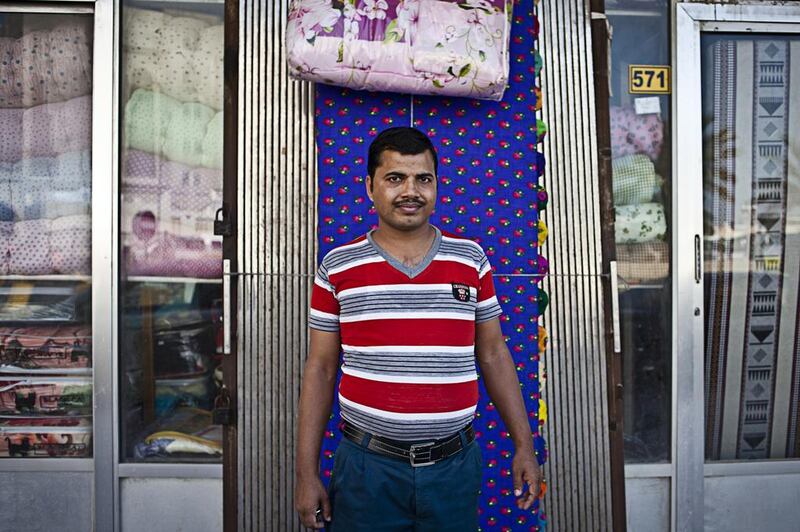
(489, 172)
(752, 250)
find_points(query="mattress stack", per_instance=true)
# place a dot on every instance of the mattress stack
(45, 229)
(173, 133)
(640, 218)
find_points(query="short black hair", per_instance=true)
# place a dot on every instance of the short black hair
(404, 140)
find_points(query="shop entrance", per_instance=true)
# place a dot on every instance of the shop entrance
(737, 268)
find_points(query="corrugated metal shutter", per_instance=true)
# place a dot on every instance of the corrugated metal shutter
(276, 257)
(579, 466)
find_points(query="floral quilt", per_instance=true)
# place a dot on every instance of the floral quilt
(446, 47)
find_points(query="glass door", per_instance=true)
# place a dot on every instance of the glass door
(738, 267)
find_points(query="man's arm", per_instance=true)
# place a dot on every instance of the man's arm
(500, 379)
(316, 402)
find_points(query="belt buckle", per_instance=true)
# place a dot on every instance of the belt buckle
(421, 451)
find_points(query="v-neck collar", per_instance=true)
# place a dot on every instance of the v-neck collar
(399, 266)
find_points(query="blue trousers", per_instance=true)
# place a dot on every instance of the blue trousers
(370, 492)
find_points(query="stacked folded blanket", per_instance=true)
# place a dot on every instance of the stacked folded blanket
(173, 132)
(640, 218)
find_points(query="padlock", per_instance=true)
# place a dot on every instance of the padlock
(221, 415)
(222, 224)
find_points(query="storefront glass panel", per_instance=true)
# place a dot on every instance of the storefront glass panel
(45, 235)
(171, 263)
(641, 182)
(751, 212)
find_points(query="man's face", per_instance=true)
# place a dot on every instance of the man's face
(403, 189)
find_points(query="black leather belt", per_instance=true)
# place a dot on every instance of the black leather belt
(418, 454)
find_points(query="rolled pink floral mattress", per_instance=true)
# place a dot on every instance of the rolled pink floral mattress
(443, 47)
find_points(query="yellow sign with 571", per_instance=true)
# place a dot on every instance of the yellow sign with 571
(649, 79)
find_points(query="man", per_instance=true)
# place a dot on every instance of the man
(411, 308)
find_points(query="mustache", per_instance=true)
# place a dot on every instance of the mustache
(415, 202)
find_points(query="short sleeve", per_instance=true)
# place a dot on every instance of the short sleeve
(324, 312)
(488, 307)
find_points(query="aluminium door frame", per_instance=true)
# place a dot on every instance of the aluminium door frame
(688, 443)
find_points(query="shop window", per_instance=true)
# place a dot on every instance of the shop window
(171, 263)
(751, 213)
(45, 235)
(641, 179)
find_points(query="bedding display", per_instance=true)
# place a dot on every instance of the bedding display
(45, 235)
(643, 263)
(46, 395)
(43, 437)
(635, 224)
(442, 47)
(47, 65)
(171, 261)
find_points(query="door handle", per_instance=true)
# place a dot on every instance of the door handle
(615, 306)
(226, 307)
(698, 266)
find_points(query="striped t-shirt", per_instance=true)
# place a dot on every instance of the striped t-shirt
(407, 334)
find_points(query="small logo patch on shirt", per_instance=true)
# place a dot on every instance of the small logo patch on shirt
(461, 292)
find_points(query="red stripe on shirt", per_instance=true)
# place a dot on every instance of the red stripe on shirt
(424, 331)
(404, 398)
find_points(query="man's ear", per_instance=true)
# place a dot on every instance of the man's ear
(369, 187)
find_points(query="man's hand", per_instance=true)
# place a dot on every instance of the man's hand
(526, 470)
(309, 496)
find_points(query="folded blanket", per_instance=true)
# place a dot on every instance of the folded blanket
(171, 256)
(429, 47)
(28, 247)
(190, 133)
(178, 56)
(632, 133)
(145, 169)
(635, 224)
(46, 66)
(46, 130)
(66, 171)
(634, 179)
(643, 263)
(71, 245)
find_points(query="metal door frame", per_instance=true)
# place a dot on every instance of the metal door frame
(688, 444)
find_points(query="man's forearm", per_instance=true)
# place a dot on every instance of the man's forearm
(500, 379)
(316, 402)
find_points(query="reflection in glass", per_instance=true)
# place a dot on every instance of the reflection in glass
(171, 183)
(641, 174)
(751, 120)
(45, 235)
